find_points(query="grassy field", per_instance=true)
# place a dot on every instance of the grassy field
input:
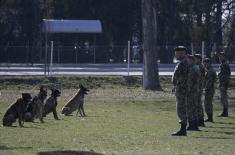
(121, 120)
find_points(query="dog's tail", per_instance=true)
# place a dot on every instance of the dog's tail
(65, 110)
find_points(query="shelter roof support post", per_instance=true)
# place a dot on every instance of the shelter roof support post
(45, 61)
(51, 60)
(94, 48)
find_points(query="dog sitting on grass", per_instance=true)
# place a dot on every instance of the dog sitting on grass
(16, 110)
(36, 106)
(76, 103)
(51, 104)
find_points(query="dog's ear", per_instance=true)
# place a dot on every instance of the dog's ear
(52, 89)
(87, 89)
(80, 86)
(43, 88)
(26, 96)
(58, 91)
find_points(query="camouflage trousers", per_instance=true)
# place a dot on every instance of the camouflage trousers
(208, 102)
(181, 105)
(224, 97)
(192, 106)
(200, 110)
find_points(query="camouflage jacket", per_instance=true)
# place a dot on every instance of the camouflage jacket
(210, 79)
(180, 76)
(193, 78)
(224, 74)
(201, 75)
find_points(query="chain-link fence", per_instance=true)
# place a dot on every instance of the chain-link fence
(74, 53)
(69, 54)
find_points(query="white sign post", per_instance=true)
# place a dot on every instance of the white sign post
(192, 49)
(203, 49)
(51, 62)
(128, 58)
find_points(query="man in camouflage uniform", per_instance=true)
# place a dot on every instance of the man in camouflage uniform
(192, 98)
(209, 85)
(224, 77)
(200, 112)
(179, 81)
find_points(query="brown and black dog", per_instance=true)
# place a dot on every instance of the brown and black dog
(16, 110)
(36, 106)
(76, 103)
(51, 103)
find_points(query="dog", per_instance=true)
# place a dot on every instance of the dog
(16, 110)
(35, 107)
(76, 103)
(51, 104)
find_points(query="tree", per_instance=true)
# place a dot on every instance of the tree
(149, 20)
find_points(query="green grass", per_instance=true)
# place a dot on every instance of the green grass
(121, 120)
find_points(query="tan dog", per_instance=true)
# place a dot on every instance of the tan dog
(76, 103)
(51, 103)
(35, 108)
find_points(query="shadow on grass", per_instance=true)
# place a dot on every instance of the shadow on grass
(4, 147)
(221, 127)
(24, 127)
(231, 98)
(68, 153)
(72, 115)
(88, 116)
(31, 127)
(223, 132)
(213, 137)
(224, 123)
(12, 148)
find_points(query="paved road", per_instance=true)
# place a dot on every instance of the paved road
(89, 69)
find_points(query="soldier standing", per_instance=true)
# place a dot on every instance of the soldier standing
(224, 77)
(200, 112)
(209, 85)
(192, 98)
(179, 81)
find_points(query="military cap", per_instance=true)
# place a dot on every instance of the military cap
(207, 60)
(198, 56)
(26, 96)
(221, 53)
(180, 48)
(191, 57)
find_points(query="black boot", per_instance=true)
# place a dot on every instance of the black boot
(224, 113)
(201, 122)
(193, 126)
(210, 118)
(196, 124)
(182, 131)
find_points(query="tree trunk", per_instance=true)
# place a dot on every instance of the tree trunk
(150, 73)
(207, 29)
(218, 37)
